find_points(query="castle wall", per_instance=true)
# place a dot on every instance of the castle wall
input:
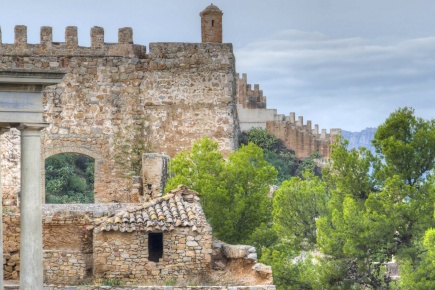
(115, 94)
(301, 138)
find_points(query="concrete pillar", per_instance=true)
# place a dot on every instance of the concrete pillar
(31, 276)
(2, 130)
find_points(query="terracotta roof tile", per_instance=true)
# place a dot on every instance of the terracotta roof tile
(179, 208)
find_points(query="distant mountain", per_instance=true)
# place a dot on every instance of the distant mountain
(360, 139)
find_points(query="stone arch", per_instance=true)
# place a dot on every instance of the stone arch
(98, 161)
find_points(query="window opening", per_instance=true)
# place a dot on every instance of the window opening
(155, 246)
(212, 23)
(69, 178)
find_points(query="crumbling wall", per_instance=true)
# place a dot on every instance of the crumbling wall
(238, 264)
(115, 98)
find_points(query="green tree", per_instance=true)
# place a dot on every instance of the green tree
(233, 192)
(379, 206)
(407, 144)
(296, 206)
(420, 275)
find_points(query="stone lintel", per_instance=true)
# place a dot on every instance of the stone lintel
(35, 80)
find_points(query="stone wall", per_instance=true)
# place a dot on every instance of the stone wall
(11, 243)
(115, 97)
(64, 267)
(124, 256)
(67, 232)
(10, 166)
(302, 138)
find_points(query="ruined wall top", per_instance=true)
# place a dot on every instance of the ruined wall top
(246, 96)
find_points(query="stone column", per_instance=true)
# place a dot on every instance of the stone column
(2, 130)
(31, 264)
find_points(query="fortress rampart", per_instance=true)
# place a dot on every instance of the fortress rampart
(115, 96)
(70, 47)
(302, 138)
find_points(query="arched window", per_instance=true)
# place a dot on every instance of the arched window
(69, 178)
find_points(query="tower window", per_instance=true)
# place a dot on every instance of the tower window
(155, 246)
(212, 23)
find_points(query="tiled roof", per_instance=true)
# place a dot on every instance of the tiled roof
(178, 208)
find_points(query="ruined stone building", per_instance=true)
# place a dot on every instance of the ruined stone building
(115, 97)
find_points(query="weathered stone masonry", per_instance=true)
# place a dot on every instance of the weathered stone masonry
(175, 94)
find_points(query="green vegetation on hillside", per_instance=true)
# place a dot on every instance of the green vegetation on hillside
(69, 178)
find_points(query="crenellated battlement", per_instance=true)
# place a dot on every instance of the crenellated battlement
(321, 135)
(46, 46)
(248, 97)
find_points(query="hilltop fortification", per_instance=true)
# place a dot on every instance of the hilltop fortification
(115, 102)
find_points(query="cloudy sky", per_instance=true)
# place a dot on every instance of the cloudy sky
(340, 63)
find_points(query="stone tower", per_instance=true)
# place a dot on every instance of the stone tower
(211, 24)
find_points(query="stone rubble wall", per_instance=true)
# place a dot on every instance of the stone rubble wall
(124, 256)
(64, 267)
(239, 263)
(111, 98)
(10, 166)
(66, 229)
(11, 243)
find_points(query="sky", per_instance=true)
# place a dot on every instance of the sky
(339, 63)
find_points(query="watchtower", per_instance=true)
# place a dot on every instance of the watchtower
(211, 24)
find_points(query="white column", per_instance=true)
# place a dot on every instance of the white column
(31, 264)
(2, 130)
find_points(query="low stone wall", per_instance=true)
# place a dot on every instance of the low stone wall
(64, 267)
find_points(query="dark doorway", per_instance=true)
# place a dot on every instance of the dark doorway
(155, 246)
